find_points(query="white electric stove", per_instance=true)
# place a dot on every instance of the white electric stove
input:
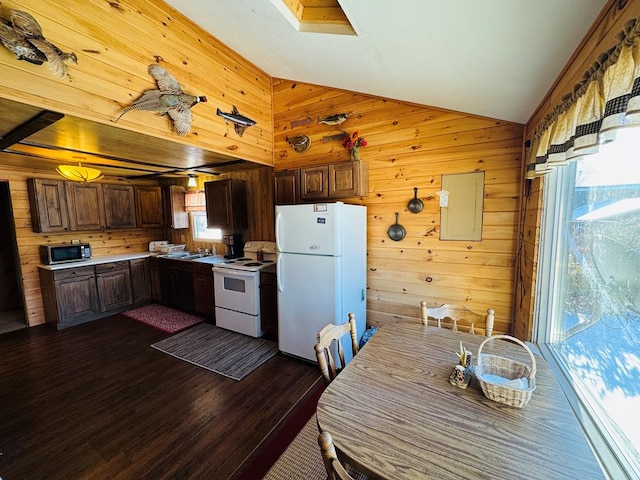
(237, 288)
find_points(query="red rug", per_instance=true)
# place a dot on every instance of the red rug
(163, 318)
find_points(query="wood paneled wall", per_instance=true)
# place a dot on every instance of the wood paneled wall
(412, 146)
(260, 210)
(115, 41)
(102, 242)
(600, 38)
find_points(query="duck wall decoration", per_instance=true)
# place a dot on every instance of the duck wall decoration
(240, 122)
(169, 100)
(23, 36)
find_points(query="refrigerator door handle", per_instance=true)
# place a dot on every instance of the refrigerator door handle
(278, 273)
(278, 217)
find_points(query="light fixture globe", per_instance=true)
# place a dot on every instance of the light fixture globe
(78, 173)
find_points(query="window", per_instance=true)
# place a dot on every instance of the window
(588, 294)
(199, 228)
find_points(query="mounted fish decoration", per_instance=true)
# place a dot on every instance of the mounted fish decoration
(23, 36)
(168, 100)
(240, 122)
(299, 143)
(333, 120)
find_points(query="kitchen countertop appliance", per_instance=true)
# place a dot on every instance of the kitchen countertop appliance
(234, 245)
(236, 283)
(321, 272)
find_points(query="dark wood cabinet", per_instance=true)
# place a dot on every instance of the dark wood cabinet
(114, 285)
(176, 283)
(226, 204)
(154, 273)
(203, 288)
(119, 206)
(86, 206)
(48, 202)
(323, 183)
(148, 199)
(69, 296)
(62, 206)
(348, 179)
(175, 214)
(141, 284)
(314, 183)
(268, 301)
(286, 187)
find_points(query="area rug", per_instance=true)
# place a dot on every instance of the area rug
(163, 318)
(222, 351)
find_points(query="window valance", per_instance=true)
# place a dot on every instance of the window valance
(606, 98)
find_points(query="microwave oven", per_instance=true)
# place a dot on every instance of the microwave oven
(74, 252)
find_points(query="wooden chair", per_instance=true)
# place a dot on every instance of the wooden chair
(335, 470)
(326, 337)
(454, 313)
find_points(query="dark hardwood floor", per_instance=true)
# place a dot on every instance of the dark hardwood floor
(95, 401)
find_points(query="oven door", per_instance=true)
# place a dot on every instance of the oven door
(236, 290)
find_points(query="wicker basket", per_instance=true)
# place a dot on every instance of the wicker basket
(506, 368)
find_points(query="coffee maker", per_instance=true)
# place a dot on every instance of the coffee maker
(235, 247)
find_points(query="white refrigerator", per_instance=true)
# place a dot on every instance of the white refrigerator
(321, 272)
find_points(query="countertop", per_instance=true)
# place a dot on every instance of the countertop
(212, 259)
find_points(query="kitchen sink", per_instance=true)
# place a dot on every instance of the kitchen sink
(192, 256)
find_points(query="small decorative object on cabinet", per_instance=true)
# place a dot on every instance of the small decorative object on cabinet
(226, 204)
(353, 142)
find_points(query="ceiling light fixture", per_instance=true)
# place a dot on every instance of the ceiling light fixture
(78, 173)
(192, 180)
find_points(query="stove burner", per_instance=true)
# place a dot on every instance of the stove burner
(243, 259)
(252, 264)
(267, 261)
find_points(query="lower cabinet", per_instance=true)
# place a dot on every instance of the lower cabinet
(70, 296)
(114, 285)
(176, 283)
(268, 302)
(76, 295)
(203, 289)
(154, 272)
(141, 284)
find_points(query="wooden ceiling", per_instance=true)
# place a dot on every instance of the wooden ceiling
(320, 16)
(43, 139)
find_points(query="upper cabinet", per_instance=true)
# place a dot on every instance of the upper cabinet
(86, 206)
(48, 205)
(176, 215)
(119, 206)
(62, 206)
(226, 204)
(287, 187)
(322, 183)
(148, 201)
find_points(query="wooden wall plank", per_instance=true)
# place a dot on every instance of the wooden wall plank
(28, 242)
(412, 146)
(115, 41)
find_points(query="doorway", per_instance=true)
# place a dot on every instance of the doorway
(12, 316)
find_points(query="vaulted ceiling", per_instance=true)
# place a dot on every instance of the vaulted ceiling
(494, 58)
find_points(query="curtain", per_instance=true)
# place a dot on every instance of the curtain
(606, 98)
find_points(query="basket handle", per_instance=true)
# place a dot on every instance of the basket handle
(519, 342)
